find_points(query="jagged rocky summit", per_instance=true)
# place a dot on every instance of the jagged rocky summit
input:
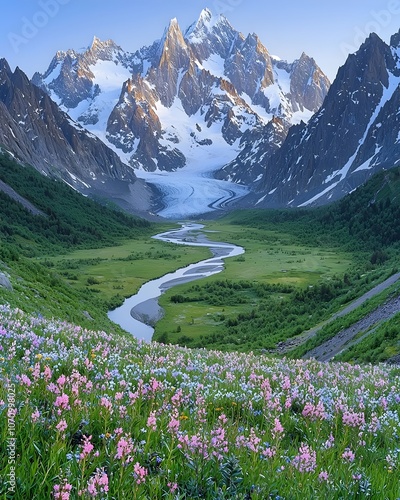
(206, 92)
(37, 132)
(355, 134)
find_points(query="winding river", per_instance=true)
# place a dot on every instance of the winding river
(139, 313)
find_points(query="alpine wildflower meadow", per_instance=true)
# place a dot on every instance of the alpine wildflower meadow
(85, 414)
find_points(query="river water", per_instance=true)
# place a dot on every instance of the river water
(139, 312)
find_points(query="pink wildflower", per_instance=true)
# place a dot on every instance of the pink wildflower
(254, 441)
(88, 364)
(36, 371)
(222, 418)
(330, 442)
(139, 473)
(278, 428)
(314, 412)
(323, 476)
(61, 426)
(286, 383)
(219, 442)
(106, 403)
(124, 449)
(348, 455)
(306, 460)
(62, 491)
(353, 419)
(155, 384)
(47, 373)
(174, 423)
(25, 380)
(62, 402)
(152, 421)
(98, 483)
(172, 487)
(374, 425)
(87, 447)
(35, 415)
(269, 452)
(52, 387)
(133, 396)
(176, 398)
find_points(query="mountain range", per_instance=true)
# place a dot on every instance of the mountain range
(37, 132)
(200, 89)
(355, 134)
(205, 99)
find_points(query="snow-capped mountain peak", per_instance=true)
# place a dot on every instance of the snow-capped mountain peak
(171, 41)
(194, 92)
(203, 25)
(355, 133)
(211, 35)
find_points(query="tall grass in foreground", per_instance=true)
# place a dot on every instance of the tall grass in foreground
(107, 417)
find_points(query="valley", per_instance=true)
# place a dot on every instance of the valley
(141, 311)
(199, 259)
(102, 408)
(299, 267)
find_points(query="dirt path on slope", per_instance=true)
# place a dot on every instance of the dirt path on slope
(328, 350)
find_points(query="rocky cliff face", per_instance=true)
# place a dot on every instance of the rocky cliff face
(37, 132)
(301, 87)
(196, 93)
(355, 133)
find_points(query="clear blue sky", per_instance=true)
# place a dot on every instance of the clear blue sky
(33, 30)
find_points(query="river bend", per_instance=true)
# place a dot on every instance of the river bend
(139, 313)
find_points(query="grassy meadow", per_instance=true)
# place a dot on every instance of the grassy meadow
(271, 258)
(119, 271)
(89, 414)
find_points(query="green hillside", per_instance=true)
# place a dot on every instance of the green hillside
(71, 219)
(80, 259)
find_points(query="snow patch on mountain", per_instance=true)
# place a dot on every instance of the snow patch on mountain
(215, 65)
(109, 76)
(196, 97)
